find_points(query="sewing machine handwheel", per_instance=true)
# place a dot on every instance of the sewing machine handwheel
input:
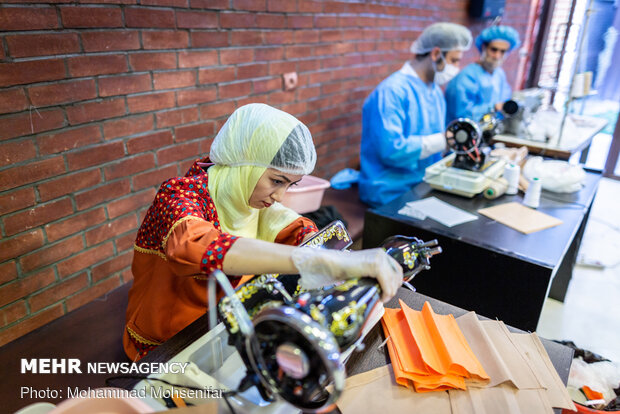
(297, 358)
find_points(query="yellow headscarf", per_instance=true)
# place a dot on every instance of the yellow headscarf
(254, 138)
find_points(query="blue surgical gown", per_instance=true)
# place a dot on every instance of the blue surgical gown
(396, 115)
(474, 92)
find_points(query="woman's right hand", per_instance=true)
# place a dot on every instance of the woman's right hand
(320, 267)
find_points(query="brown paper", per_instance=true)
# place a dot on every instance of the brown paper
(520, 217)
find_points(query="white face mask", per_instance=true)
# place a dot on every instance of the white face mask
(449, 71)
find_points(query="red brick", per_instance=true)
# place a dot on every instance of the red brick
(13, 312)
(165, 39)
(85, 259)
(129, 166)
(266, 85)
(58, 292)
(149, 18)
(214, 75)
(124, 84)
(128, 126)
(112, 229)
(152, 61)
(87, 295)
(15, 152)
(127, 276)
(173, 80)
(8, 272)
(30, 324)
(246, 38)
(156, 177)
(107, 41)
(294, 52)
(278, 68)
(16, 200)
(296, 108)
(164, 119)
(42, 44)
(196, 20)
(51, 254)
(188, 132)
(270, 21)
(68, 139)
(126, 242)
(217, 110)
(285, 6)
(278, 98)
(210, 4)
(94, 111)
(114, 265)
(234, 56)
(97, 65)
(149, 142)
(24, 287)
(36, 216)
(19, 245)
(234, 90)
(30, 123)
(90, 17)
(278, 37)
(133, 202)
(177, 153)
(150, 102)
(196, 96)
(62, 92)
(252, 71)
(306, 6)
(28, 18)
(90, 198)
(331, 35)
(68, 184)
(237, 20)
(196, 59)
(254, 5)
(269, 53)
(172, 3)
(35, 171)
(19, 73)
(299, 22)
(74, 224)
(95, 156)
(12, 100)
(209, 39)
(307, 36)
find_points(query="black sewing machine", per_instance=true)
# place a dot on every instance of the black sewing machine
(292, 341)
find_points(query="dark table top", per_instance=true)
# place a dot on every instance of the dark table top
(545, 247)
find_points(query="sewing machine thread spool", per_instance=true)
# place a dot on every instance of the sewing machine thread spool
(496, 189)
(532, 195)
(511, 174)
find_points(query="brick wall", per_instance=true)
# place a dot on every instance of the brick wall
(103, 100)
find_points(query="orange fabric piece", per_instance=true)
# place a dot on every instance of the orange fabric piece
(591, 394)
(429, 350)
(170, 293)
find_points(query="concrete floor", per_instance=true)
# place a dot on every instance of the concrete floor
(590, 314)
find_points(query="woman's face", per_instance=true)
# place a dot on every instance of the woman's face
(271, 187)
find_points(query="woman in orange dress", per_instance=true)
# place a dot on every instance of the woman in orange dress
(225, 214)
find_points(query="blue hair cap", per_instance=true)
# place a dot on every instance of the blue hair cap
(492, 33)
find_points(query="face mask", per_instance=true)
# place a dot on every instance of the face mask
(449, 71)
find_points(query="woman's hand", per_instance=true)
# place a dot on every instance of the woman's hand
(319, 267)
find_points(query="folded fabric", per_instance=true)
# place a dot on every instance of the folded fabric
(428, 351)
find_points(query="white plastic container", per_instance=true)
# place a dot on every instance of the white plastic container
(307, 195)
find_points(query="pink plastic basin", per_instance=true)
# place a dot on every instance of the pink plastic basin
(307, 195)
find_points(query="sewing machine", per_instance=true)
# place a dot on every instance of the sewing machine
(283, 349)
(527, 102)
(469, 169)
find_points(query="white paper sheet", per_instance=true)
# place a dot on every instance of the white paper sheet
(438, 210)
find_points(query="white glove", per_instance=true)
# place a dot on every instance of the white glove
(432, 144)
(321, 267)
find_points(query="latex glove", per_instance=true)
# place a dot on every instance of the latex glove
(432, 144)
(320, 267)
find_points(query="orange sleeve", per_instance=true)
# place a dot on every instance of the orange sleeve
(296, 232)
(195, 246)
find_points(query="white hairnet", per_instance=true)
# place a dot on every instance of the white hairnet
(445, 36)
(263, 136)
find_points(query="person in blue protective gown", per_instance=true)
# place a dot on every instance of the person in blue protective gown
(481, 87)
(403, 118)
